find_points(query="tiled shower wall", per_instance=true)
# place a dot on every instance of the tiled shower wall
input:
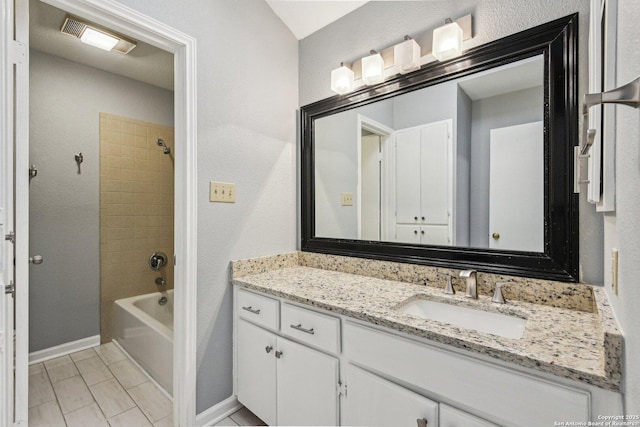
(136, 210)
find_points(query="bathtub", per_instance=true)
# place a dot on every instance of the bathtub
(145, 330)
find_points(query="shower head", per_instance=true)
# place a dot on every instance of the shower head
(161, 143)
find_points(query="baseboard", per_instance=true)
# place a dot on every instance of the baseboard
(218, 412)
(63, 349)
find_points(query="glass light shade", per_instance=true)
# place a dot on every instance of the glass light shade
(447, 41)
(406, 56)
(342, 80)
(98, 39)
(373, 69)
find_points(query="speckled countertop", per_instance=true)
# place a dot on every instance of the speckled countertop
(582, 345)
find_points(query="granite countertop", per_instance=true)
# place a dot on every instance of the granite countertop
(575, 344)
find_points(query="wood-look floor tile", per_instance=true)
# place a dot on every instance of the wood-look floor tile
(245, 417)
(109, 353)
(84, 354)
(40, 390)
(131, 418)
(226, 422)
(93, 370)
(72, 394)
(52, 363)
(111, 397)
(88, 416)
(127, 373)
(36, 368)
(46, 415)
(151, 401)
(165, 422)
(62, 371)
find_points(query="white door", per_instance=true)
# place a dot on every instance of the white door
(516, 190)
(408, 234)
(408, 176)
(307, 386)
(435, 173)
(14, 202)
(373, 401)
(257, 370)
(370, 209)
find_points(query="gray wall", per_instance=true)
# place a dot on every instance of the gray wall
(487, 114)
(336, 171)
(623, 227)
(463, 168)
(379, 24)
(247, 68)
(65, 101)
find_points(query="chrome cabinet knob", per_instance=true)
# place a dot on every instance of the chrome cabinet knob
(268, 348)
(422, 422)
(36, 259)
(279, 354)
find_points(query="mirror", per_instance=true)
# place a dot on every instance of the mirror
(465, 163)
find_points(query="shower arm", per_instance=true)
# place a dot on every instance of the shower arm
(628, 94)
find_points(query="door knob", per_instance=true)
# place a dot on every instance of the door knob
(36, 259)
(495, 236)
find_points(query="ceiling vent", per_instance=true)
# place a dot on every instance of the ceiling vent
(87, 32)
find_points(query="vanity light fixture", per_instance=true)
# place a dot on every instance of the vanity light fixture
(447, 41)
(406, 56)
(96, 36)
(342, 79)
(372, 68)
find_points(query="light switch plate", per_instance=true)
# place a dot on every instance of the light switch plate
(222, 192)
(614, 270)
(347, 199)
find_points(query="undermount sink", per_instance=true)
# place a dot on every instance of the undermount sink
(483, 321)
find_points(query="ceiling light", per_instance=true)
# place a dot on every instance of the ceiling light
(373, 68)
(98, 39)
(447, 41)
(342, 79)
(406, 56)
(96, 36)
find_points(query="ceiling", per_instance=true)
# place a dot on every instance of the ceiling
(154, 66)
(304, 17)
(145, 63)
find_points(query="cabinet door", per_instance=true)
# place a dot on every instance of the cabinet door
(408, 233)
(373, 401)
(257, 370)
(307, 384)
(452, 417)
(435, 171)
(435, 235)
(408, 177)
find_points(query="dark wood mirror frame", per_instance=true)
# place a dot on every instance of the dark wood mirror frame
(558, 42)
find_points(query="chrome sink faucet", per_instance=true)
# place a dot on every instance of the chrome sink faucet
(472, 285)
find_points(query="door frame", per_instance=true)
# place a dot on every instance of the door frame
(141, 27)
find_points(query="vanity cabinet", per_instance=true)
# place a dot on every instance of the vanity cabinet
(423, 184)
(452, 417)
(281, 381)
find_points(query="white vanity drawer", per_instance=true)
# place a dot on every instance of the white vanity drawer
(500, 394)
(310, 327)
(258, 309)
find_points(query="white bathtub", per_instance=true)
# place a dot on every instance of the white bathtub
(145, 330)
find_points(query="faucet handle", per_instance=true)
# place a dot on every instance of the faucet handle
(497, 296)
(448, 289)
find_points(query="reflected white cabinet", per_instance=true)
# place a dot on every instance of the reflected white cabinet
(424, 184)
(452, 417)
(285, 383)
(374, 401)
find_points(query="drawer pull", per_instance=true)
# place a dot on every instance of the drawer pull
(301, 329)
(279, 354)
(251, 310)
(268, 349)
(422, 422)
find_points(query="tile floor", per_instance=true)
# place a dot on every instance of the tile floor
(100, 387)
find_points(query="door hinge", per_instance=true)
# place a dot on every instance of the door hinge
(175, 259)
(17, 52)
(10, 289)
(11, 237)
(342, 389)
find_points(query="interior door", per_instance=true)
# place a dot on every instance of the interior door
(14, 215)
(516, 188)
(435, 173)
(408, 176)
(370, 208)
